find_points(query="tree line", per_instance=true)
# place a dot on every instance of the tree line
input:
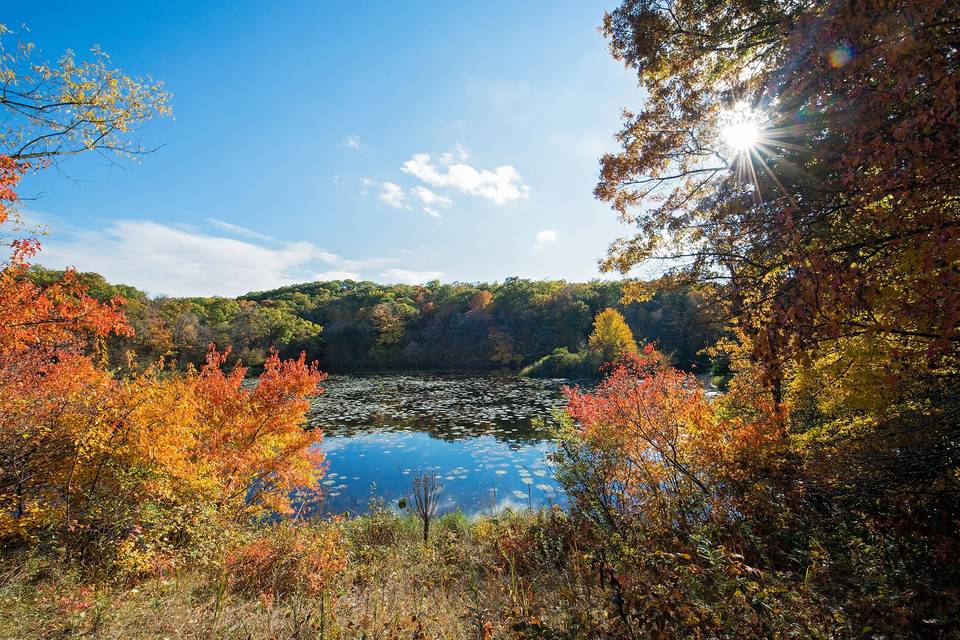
(361, 326)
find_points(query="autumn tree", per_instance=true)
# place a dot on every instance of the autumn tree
(94, 457)
(45, 333)
(611, 336)
(798, 161)
(125, 470)
(797, 164)
(840, 218)
(644, 425)
(481, 301)
(390, 321)
(644, 458)
(67, 107)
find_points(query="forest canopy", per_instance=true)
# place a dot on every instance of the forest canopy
(349, 325)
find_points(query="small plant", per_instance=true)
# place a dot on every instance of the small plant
(290, 559)
(426, 497)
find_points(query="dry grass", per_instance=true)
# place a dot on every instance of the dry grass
(467, 578)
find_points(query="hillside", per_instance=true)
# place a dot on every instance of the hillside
(351, 326)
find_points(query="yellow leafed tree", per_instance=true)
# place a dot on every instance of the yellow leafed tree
(611, 336)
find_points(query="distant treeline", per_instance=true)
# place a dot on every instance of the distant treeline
(357, 326)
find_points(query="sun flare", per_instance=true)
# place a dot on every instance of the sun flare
(741, 128)
(742, 136)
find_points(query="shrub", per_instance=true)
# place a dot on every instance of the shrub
(564, 364)
(288, 559)
(527, 541)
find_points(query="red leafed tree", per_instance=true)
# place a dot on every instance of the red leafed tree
(644, 429)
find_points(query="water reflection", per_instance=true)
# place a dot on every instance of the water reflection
(474, 432)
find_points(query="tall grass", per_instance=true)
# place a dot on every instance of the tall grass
(470, 575)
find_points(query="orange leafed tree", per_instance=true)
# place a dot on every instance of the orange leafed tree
(253, 437)
(43, 372)
(102, 459)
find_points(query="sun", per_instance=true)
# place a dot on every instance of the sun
(741, 128)
(748, 139)
(741, 136)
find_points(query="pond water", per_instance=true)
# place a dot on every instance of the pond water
(475, 432)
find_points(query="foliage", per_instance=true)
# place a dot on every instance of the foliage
(362, 325)
(610, 340)
(828, 246)
(642, 446)
(71, 106)
(611, 336)
(683, 491)
(829, 263)
(287, 559)
(812, 241)
(128, 470)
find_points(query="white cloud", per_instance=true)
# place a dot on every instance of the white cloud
(460, 153)
(238, 230)
(182, 261)
(545, 237)
(429, 198)
(410, 277)
(431, 201)
(501, 185)
(337, 275)
(352, 141)
(393, 195)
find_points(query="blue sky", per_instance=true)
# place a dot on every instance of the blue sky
(396, 142)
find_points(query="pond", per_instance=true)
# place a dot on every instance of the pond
(475, 432)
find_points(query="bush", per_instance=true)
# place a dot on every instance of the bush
(527, 541)
(381, 527)
(288, 559)
(564, 364)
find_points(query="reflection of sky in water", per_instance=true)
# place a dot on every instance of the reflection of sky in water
(473, 432)
(477, 474)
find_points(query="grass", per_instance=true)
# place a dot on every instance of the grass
(473, 577)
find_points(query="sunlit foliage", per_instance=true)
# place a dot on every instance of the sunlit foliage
(126, 469)
(796, 164)
(72, 105)
(611, 336)
(842, 222)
